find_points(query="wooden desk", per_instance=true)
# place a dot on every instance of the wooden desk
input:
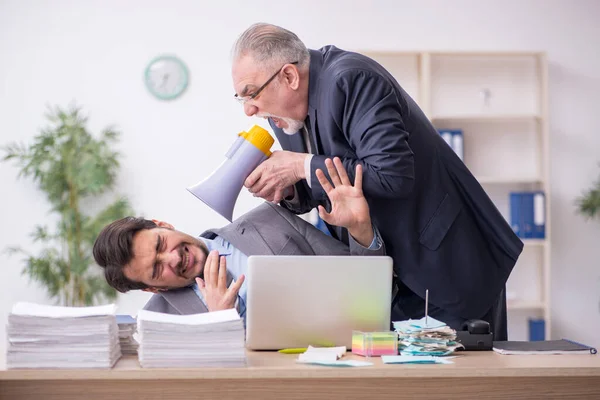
(270, 375)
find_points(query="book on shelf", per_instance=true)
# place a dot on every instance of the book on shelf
(454, 139)
(528, 214)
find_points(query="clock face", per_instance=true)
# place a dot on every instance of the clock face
(166, 77)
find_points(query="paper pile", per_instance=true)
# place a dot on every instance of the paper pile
(425, 337)
(213, 339)
(127, 328)
(42, 336)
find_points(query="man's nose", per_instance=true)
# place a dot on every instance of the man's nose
(250, 109)
(172, 258)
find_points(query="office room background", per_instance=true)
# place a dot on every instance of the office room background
(94, 54)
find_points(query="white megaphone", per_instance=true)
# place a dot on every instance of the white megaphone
(221, 189)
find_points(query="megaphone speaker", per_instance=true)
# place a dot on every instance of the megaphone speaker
(221, 189)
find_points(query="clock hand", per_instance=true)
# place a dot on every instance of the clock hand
(165, 78)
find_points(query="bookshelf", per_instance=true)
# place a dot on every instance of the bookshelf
(499, 100)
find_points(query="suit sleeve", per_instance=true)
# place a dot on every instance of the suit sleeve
(327, 245)
(369, 112)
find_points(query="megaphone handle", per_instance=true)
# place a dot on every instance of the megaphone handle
(236, 145)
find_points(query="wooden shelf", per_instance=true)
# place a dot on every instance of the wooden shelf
(525, 305)
(534, 242)
(501, 180)
(486, 117)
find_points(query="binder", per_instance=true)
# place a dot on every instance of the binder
(537, 329)
(457, 143)
(454, 139)
(528, 214)
(515, 213)
(562, 346)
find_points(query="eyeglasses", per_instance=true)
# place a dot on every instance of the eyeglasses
(243, 100)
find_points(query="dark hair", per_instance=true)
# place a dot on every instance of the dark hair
(112, 251)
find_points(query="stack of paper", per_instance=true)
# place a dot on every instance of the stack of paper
(127, 328)
(214, 339)
(425, 337)
(42, 336)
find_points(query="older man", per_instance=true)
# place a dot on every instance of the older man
(439, 226)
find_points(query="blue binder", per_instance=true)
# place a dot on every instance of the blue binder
(528, 214)
(537, 329)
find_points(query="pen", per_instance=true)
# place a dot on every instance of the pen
(298, 350)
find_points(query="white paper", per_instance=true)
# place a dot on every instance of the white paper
(42, 310)
(192, 319)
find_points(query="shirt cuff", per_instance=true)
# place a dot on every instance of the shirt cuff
(307, 161)
(376, 243)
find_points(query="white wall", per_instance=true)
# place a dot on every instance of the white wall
(95, 52)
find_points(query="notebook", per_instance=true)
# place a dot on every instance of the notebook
(562, 346)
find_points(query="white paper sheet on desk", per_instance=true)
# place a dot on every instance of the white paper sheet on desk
(323, 354)
(42, 310)
(338, 363)
(415, 360)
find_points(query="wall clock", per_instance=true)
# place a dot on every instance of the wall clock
(166, 77)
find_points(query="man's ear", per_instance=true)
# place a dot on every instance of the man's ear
(154, 290)
(292, 76)
(163, 224)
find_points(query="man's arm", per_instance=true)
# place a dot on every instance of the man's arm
(369, 112)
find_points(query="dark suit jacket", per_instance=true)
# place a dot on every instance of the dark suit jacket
(440, 227)
(267, 230)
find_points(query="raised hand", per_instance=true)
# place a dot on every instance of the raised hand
(214, 286)
(349, 208)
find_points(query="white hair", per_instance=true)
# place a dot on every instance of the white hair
(270, 44)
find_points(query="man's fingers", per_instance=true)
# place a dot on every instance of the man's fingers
(277, 196)
(201, 286)
(214, 269)
(253, 177)
(358, 177)
(235, 287)
(325, 216)
(335, 179)
(341, 170)
(266, 192)
(323, 181)
(222, 272)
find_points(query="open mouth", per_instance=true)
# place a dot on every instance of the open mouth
(185, 261)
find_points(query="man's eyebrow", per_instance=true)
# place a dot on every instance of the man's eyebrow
(246, 89)
(155, 265)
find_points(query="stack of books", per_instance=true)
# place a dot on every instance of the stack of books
(127, 328)
(425, 337)
(43, 336)
(215, 339)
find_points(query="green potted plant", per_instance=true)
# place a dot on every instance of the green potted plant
(588, 204)
(70, 166)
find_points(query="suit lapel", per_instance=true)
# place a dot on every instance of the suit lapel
(312, 134)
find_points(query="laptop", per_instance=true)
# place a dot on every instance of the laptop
(297, 301)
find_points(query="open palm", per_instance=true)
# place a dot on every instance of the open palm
(349, 207)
